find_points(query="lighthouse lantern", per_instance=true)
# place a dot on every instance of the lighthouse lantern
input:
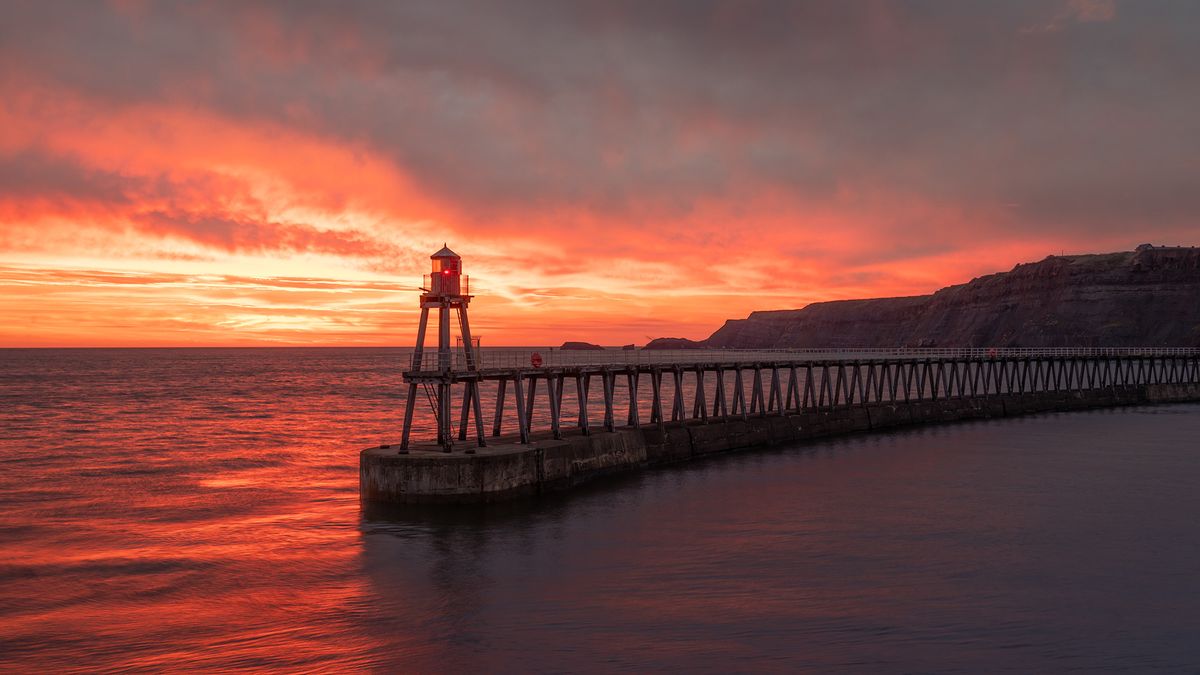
(446, 277)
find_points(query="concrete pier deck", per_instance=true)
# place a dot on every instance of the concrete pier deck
(507, 468)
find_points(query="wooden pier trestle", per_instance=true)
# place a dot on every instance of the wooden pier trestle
(776, 387)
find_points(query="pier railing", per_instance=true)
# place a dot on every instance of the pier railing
(717, 385)
(508, 357)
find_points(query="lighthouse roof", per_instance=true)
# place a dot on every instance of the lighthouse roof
(445, 253)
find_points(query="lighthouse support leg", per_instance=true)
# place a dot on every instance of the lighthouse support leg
(445, 438)
(417, 355)
(419, 350)
(464, 327)
(408, 414)
(464, 417)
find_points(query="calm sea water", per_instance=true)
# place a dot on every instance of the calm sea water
(198, 509)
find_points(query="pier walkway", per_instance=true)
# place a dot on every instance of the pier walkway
(553, 426)
(715, 385)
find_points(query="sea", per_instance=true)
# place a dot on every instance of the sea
(198, 510)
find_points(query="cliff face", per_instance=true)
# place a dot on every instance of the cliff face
(1148, 297)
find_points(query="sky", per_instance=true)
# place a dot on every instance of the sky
(278, 173)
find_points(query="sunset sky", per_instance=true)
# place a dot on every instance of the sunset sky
(210, 173)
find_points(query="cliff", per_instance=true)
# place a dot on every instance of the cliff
(580, 346)
(1147, 297)
(675, 343)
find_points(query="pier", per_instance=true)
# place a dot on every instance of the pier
(512, 422)
(607, 415)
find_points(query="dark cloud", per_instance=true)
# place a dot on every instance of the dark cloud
(30, 175)
(207, 209)
(86, 277)
(1080, 112)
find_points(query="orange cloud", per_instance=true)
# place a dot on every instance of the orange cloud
(270, 174)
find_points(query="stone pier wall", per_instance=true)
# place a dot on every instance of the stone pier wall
(510, 470)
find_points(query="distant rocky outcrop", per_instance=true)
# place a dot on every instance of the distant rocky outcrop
(1146, 297)
(581, 347)
(674, 343)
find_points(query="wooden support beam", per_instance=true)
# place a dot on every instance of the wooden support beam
(757, 402)
(775, 397)
(810, 396)
(719, 409)
(657, 416)
(855, 388)
(607, 377)
(793, 390)
(677, 411)
(656, 408)
(532, 394)
(479, 434)
(558, 391)
(552, 394)
(519, 394)
(581, 394)
(701, 405)
(870, 384)
(739, 393)
(631, 376)
(501, 386)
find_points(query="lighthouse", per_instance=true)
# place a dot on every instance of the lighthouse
(446, 289)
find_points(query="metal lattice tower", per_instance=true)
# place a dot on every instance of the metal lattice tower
(446, 288)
